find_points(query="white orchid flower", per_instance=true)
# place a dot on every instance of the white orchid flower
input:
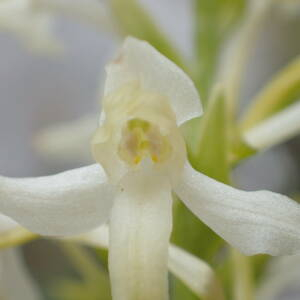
(142, 160)
(276, 129)
(32, 26)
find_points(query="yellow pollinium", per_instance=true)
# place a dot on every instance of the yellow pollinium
(141, 139)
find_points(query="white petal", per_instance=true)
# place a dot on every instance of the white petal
(253, 222)
(67, 203)
(15, 281)
(12, 234)
(98, 237)
(59, 141)
(140, 229)
(194, 272)
(7, 224)
(275, 130)
(139, 61)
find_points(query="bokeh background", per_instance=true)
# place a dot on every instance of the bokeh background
(37, 91)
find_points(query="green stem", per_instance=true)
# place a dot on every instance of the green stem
(15, 237)
(95, 279)
(82, 261)
(281, 91)
(238, 59)
(242, 275)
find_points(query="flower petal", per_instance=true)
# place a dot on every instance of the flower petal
(98, 237)
(67, 203)
(7, 224)
(194, 272)
(12, 234)
(253, 222)
(140, 229)
(34, 28)
(139, 61)
(275, 130)
(15, 280)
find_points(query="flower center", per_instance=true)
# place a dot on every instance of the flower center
(138, 126)
(141, 139)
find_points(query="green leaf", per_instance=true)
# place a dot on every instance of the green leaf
(134, 20)
(215, 20)
(208, 140)
(180, 291)
(207, 144)
(239, 149)
(93, 282)
(283, 90)
(194, 236)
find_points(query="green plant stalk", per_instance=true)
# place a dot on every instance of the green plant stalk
(133, 20)
(84, 263)
(243, 276)
(214, 21)
(283, 90)
(237, 61)
(16, 237)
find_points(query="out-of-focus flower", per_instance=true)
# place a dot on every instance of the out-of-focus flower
(142, 160)
(58, 142)
(91, 12)
(275, 130)
(32, 26)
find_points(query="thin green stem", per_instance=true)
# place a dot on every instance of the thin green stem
(243, 286)
(82, 261)
(239, 55)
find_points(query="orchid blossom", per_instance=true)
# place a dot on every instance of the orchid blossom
(32, 26)
(141, 160)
